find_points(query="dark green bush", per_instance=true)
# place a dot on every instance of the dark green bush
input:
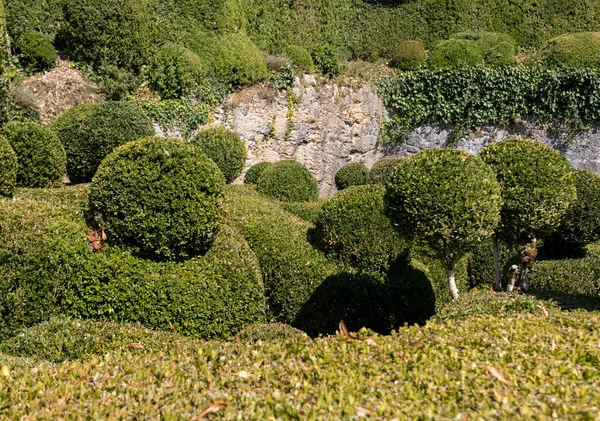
(231, 57)
(40, 155)
(115, 32)
(301, 58)
(116, 83)
(353, 174)
(37, 52)
(162, 197)
(581, 224)
(327, 59)
(408, 55)
(225, 148)
(382, 170)
(292, 269)
(455, 53)
(254, 172)
(23, 16)
(353, 228)
(175, 72)
(61, 339)
(47, 268)
(8, 168)
(288, 181)
(90, 132)
(481, 269)
(572, 50)
(575, 277)
(473, 97)
(270, 331)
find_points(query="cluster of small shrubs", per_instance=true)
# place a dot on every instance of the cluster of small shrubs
(37, 52)
(288, 181)
(572, 50)
(90, 132)
(353, 174)
(41, 159)
(474, 49)
(225, 148)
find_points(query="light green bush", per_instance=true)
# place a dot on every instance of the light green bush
(8, 168)
(225, 148)
(175, 72)
(572, 50)
(288, 181)
(407, 55)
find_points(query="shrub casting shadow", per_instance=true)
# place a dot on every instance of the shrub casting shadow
(568, 301)
(363, 300)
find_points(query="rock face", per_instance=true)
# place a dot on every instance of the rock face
(327, 126)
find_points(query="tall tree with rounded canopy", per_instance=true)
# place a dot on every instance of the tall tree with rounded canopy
(537, 189)
(446, 198)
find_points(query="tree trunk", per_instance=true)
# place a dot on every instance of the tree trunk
(452, 281)
(498, 284)
(512, 273)
(523, 285)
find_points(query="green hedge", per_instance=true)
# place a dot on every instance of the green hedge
(288, 181)
(269, 332)
(37, 52)
(254, 172)
(40, 155)
(48, 268)
(572, 50)
(568, 276)
(353, 228)
(8, 168)
(225, 148)
(455, 53)
(408, 55)
(90, 132)
(473, 97)
(353, 174)
(382, 170)
(23, 16)
(161, 197)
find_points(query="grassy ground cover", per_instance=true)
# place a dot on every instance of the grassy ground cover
(524, 367)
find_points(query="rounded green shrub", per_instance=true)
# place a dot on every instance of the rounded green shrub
(572, 50)
(40, 155)
(8, 168)
(288, 181)
(301, 58)
(455, 53)
(327, 59)
(381, 171)
(49, 269)
(232, 57)
(353, 228)
(174, 72)
(270, 331)
(37, 52)
(408, 55)
(255, 171)
(580, 226)
(353, 174)
(225, 148)
(497, 49)
(89, 132)
(162, 197)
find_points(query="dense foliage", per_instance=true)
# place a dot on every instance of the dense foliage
(37, 52)
(473, 97)
(255, 171)
(381, 171)
(353, 174)
(162, 197)
(572, 50)
(8, 168)
(269, 332)
(288, 181)
(446, 198)
(353, 228)
(89, 132)
(455, 53)
(301, 58)
(408, 55)
(570, 277)
(40, 155)
(225, 148)
(175, 72)
(49, 268)
(442, 371)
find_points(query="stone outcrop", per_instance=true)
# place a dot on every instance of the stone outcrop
(327, 126)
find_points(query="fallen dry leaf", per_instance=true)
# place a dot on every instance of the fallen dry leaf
(363, 412)
(137, 345)
(497, 374)
(544, 309)
(5, 371)
(343, 329)
(553, 345)
(96, 239)
(371, 341)
(417, 344)
(213, 409)
(244, 374)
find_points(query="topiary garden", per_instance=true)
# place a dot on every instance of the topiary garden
(225, 148)
(288, 181)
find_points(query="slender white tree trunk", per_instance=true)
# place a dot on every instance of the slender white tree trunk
(498, 284)
(450, 272)
(512, 273)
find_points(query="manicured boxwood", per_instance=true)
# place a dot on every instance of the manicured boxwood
(175, 72)
(381, 171)
(580, 49)
(497, 49)
(89, 132)
(40, 155)
(288, 181)
(353, 174)
(308, 211)
(162, 197)
(301, 58)
(37, 52)
(225, 148)
(455, 53)
(48, 268)
(567, 276)
(407, 55)
(8, 168)
(353, 228)
(255, 171)
(269, 331)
